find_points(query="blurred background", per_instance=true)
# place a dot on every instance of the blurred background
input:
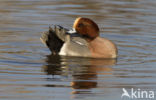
(29, 72)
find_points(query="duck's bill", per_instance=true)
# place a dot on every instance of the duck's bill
(72, 31)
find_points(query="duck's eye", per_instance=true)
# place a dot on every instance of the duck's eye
(80, 25)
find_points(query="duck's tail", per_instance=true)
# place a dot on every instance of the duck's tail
(54, 38)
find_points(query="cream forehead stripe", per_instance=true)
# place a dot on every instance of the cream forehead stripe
(76, 21)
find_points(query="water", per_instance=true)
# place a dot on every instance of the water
(28, 72)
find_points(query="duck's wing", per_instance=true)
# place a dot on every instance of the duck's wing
(52, 40)
(79, 40)
(60, 32)
(76, 47)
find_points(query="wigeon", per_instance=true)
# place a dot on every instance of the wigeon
(82, 41)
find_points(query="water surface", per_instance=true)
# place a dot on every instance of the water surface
(29, 72)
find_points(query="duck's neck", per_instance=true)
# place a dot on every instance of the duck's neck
(90, 39)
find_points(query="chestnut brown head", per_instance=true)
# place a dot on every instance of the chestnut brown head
(86, 27)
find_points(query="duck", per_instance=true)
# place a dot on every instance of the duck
(82, 41)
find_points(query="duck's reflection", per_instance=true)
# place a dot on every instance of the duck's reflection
(84, 71)
(53, 66)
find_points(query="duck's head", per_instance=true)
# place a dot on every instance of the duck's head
(86, 27)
